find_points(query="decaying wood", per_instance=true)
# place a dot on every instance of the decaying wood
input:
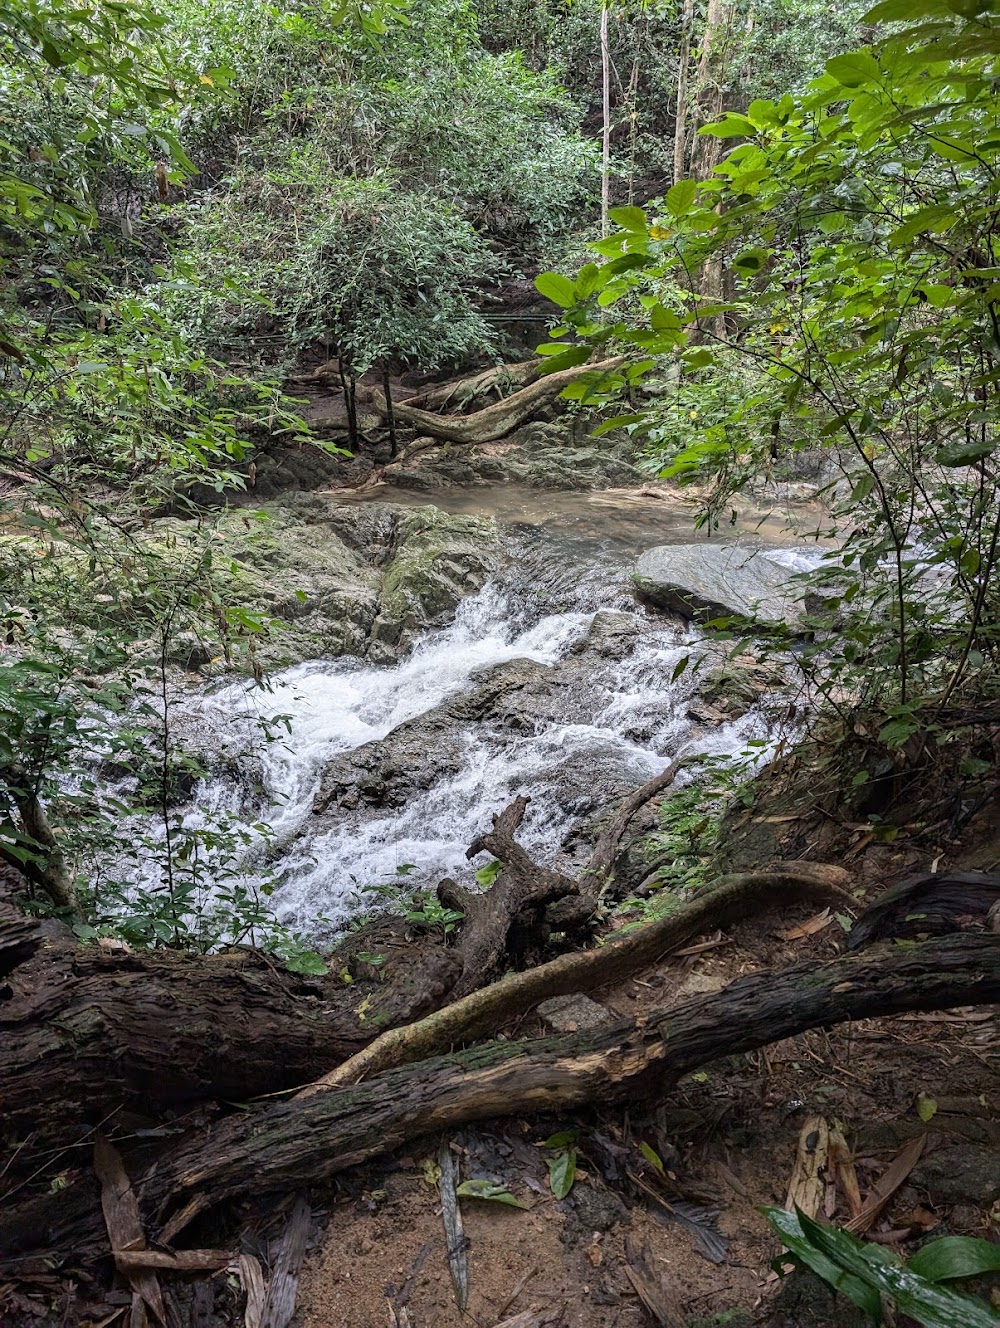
(888, 1183)
(924, 903)
(307, 1141)
(454, 1231)
(482, 1012)
(85, 1032)
(125, 1230)
(648, 1286)
(496, 421)
(600, 868)
(310, 1140)
(521, 886)
(283, 1288)
(460, 391)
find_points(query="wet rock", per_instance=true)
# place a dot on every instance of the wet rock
(437, 559)
(736, 685)
(611, 634)
(573, 1014)
(704, 581)
(960, 1174)
(422, 751)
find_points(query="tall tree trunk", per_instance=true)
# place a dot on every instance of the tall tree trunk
(683, 79)
(710, 98)
(606, 100)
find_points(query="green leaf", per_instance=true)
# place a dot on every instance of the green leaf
(931, 1305)
(486, 1189)
(966, 454)
(679, 667)
(488, 874)
(560, 1139)
(955, 1256)
(730, 126)
(926, 1108)
(789, 1228)
(567, 358)
(862, 488)
(680, 197)
(652, 1156)
(557, 288)
(562, 1172)
(629, 218)
(854, 70)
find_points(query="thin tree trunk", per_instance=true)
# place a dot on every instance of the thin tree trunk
(390, 414)
(606, 101)
(683, 78)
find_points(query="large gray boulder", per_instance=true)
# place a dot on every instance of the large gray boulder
(705, 581)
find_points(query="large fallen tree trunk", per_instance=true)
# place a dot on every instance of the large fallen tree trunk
(84, 1031)
(291, 1145)
(496, 421)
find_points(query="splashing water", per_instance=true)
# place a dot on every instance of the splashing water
(616, 723)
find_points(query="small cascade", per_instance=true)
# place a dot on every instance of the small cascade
(616, 717)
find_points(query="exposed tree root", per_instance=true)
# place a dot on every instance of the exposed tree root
(482, 1013)
(459, 392)
(496, 421)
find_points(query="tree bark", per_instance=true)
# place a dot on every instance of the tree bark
(496, 421)
(309, 1140)
(84, 1031)
(606, 119)
(683, 78)
(482, 1013)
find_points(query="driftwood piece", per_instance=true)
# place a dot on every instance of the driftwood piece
(496, 421)
(124, 1224)
(482, 1012)
(283, 1288)
(600, 869)
(460, 391)
(649, 1287)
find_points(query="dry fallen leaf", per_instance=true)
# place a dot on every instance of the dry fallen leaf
(808, 928)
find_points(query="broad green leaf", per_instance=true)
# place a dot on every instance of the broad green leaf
(730, 126)
(486, 1189)
(932, 1305)
(955, 1256)
(650, 1154)
(629, 218)
(854, 70)
(557, 288)
(568, 358)
(857, 1289)
(966, 454)
(562, 1172)
(680, 197)
(926, 1108)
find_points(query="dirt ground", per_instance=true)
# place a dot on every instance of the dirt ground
(691, 1237)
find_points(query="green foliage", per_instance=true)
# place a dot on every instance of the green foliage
(561, 1161)
(865, 1273)
(856, 231)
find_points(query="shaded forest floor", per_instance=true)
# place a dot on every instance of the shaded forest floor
(728, 1140)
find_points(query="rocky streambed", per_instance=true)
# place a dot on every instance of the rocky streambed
(441, 662)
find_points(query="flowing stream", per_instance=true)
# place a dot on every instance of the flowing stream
(604, 713)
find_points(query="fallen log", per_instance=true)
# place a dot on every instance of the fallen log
(308, 1141)
(496, 421)
(483, 1012)
(85, 1031)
